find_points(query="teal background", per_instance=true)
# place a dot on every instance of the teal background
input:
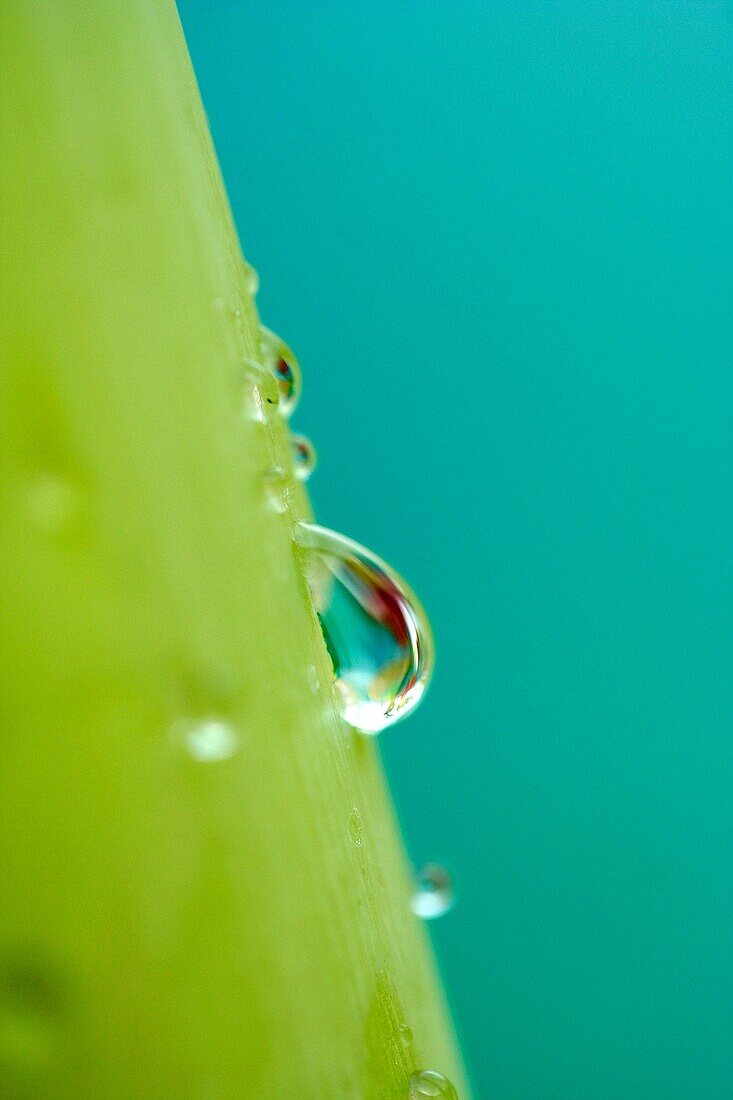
(499, 237)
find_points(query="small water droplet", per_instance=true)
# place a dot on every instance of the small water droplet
(377, 633)
(52, 503)
(252, 280)
(280, 361)
(405, 1035)
(355, 829)
(304, 456)
(206, 739)
(428, 1082)
(277, 489)
(263, 395)
(433, 894)
(258, 406)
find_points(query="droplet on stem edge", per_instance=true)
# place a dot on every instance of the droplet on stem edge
(434, 894)
(304, 456)
(376, 631)
(428, 1082)
(262, 391)
(277, 489)
(281, 362)
(252, 280)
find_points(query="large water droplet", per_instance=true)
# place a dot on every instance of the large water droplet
(206, 739)
(280, 360)
(304, 456)
(428, 1082)
(377, 633)
(433, 894)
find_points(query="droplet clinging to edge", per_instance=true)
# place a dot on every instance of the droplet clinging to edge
(304, 456)
(281, 362)
(428, 1082)
(376, 630)
(252, 280)
(277, 489)
(433, 895)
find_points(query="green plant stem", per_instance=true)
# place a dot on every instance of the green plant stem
(171, 927)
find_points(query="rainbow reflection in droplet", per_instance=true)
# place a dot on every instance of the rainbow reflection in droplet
(377, 633)
(281, 362)
(304, 456)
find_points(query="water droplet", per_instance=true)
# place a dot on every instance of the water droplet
(428, 1082)
(206, 739)
(433, 894)
(252, 280)
(304, 456)
(405, 1035)
(277, 489)
(280, 361)
(377, 633)
(258, 406)
(264, 394)
(52, 503)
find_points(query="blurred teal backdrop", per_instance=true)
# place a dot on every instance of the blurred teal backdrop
(499, 237)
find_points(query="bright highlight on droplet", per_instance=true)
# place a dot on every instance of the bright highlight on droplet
(277, 489)
(281, 362)
(262, 391)
(206, 739)
(433, 895)
(428, 1082)
(405, 1035)
(304, 456)
(377, 633)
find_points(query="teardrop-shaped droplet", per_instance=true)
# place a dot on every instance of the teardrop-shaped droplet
(433, 894)
(377, 633)
(279, 359)
(304, 456)
(428, 1082)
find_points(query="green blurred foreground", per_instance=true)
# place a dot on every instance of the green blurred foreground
(203, 891)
